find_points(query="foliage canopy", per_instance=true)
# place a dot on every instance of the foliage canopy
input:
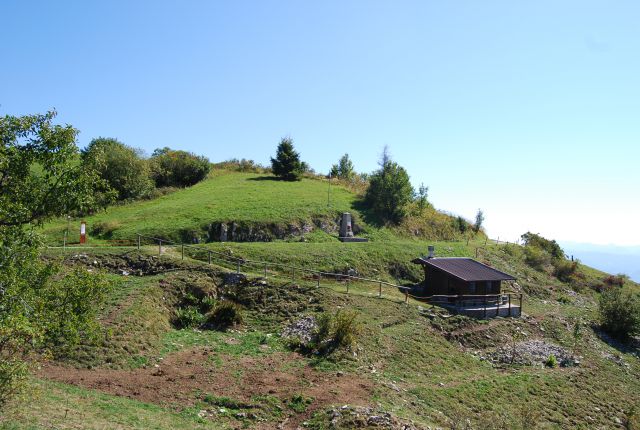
(171, 168)
(287, 164)
(389, 191)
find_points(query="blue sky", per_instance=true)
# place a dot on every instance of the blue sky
(530, 111)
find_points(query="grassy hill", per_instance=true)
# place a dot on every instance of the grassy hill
(256, 203)
(412, 364)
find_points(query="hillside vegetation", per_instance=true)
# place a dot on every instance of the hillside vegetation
(163, 361)
(270, 208)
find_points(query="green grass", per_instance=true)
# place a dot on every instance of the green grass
(60, 406)
(225, 197)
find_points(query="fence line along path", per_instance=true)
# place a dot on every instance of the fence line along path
(263, 267)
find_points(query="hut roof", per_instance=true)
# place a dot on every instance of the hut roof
(466, 269)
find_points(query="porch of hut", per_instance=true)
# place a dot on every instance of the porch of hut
(466, 286)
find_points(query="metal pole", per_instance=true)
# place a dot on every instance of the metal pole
(509, 304)
(64, 241)
(498, 305)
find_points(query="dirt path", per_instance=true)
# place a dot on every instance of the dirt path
(183, 375)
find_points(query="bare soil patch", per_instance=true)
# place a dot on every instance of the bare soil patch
(182, 377)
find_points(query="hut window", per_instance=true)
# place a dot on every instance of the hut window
(472, 287)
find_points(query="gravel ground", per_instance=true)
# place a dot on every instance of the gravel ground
(533, 353)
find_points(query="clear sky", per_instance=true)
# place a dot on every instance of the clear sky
(528, 110)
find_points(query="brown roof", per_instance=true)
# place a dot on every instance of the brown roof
(466, 269)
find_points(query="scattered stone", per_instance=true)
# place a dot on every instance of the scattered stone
(302, 329)
(532, 353)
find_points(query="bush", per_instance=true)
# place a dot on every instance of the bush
(389, 191)
(564, 270)
(333, 331)
(287, 164)
(224, 315)
(619, 313)
(170, 168)
(551, 361)
(535, 257)
(121, 166)
(346, 328)
(188, 317)
(614, 280)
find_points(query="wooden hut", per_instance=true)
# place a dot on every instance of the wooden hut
(467, 285)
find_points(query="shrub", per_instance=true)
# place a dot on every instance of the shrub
(188, 317)
(551, 361)
(614, 280)
(535, 257)
(344, 169)
(298, 403)
(287, 164)
(564, 269)
(333, 331)
(389, 191)
(121, 166)
(170, 168)
(550, 246)
(619, 313)
(224, 315)
(346, 328)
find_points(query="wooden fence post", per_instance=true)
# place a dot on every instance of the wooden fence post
(138, 242)
(520, 304)
(485, 304)
(348, 284)
(183, 251)
(380, 290)
(209, 252)
(406, 296)
(265, 270)
(159, 247)
(318, 286)
(509, 304)
(238, 271)
(293, 274)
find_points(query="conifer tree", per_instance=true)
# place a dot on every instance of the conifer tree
(287, 164)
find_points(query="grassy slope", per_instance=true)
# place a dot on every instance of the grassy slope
(223, 197)
(430, 376)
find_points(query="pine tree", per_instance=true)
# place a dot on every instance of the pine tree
(287, 164)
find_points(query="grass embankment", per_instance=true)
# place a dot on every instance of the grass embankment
(261, 208)
(224, 197)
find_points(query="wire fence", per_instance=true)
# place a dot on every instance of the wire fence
(293, 273)
(267, 269)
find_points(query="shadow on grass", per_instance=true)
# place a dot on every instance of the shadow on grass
(629, 346)
(271, 178)
(367, 215)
